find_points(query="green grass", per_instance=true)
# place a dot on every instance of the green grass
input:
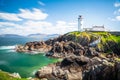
(106, 38)
(76, 33)
(6, 76)
(88, 35)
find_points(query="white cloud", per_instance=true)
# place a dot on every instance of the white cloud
(118, 18)
(35, 14)
(61, 23)
(31, 22)
(41, 3)
(62, 27)
(112, 19)
(10, 17)
(37, 24)
(117, 4)
(9, 25)
(32, 27)
(117, 12)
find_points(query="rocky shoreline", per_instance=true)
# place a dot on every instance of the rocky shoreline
(64, 45)
(81, 68)
(86, 56)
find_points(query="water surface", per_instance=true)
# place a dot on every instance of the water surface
(25, 64)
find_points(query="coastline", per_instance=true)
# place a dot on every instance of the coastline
(75, 48)
(76, 44)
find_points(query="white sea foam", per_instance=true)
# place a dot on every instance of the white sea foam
(32, 52)
(33, 73)
(7, 47)
(11, 50)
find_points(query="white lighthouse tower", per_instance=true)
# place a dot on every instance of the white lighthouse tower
(80, 22)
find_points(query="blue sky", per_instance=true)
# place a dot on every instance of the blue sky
(25, 17)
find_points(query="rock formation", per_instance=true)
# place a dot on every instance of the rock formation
(34, 46)
(81, 68)
(81, 61)
(73, 43)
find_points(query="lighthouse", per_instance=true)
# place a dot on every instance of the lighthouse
(80, 23)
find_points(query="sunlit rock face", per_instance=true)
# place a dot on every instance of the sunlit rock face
(74, 43)
(80, 68)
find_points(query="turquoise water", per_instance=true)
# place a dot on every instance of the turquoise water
(26, 65)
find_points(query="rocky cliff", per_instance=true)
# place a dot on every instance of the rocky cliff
(75, 43)
(86, 56)
(81, 68)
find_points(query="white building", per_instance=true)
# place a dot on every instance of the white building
(96, 28)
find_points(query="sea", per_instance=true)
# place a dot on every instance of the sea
(24, 64)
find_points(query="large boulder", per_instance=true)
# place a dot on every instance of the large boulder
(75, 61)
(44, 72)
(74, 76)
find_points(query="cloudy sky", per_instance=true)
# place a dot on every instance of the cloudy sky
(25, 17)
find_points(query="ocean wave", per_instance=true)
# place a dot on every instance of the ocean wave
(11, 50)
(7, 47)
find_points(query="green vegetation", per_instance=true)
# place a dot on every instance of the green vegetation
(6, 76)
(107, 40)
(89, 36)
